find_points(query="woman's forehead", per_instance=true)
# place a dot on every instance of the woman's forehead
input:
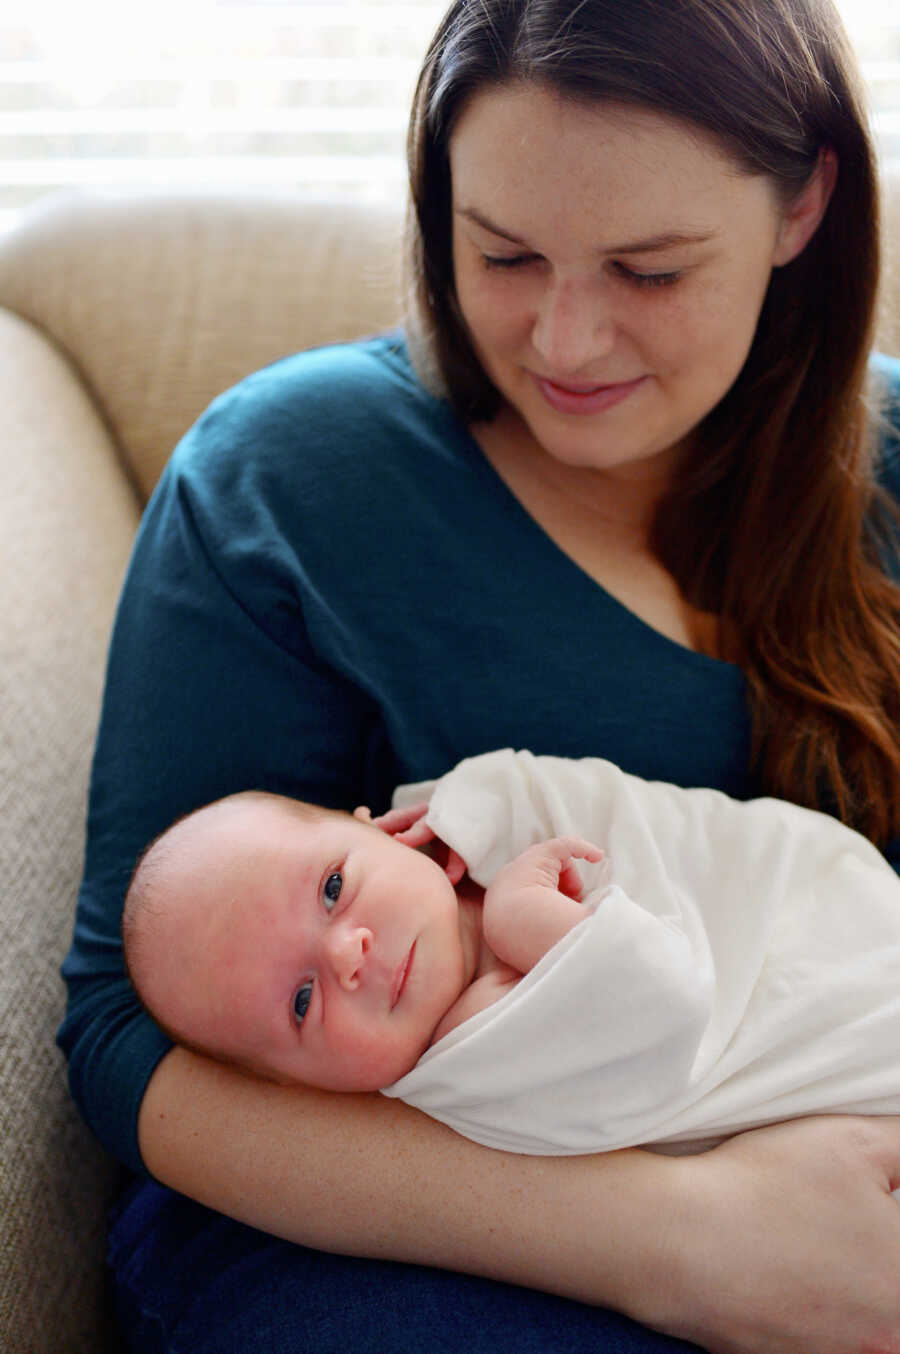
(504, 133)
(604, 178)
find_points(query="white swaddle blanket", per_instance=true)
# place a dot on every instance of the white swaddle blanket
(739, 963)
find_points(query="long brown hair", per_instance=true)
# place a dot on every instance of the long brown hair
(775, 523)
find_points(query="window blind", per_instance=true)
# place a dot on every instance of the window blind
(300, 94)
(291, 93)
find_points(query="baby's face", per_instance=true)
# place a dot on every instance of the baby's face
(321, 951)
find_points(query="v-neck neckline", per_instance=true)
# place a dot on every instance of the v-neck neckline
(565, 563)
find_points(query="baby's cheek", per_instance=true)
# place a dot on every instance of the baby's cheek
(397, 1057)
(372, 1058)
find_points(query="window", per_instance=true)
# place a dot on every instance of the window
(115, 92)
(310, 93)
(874, 26)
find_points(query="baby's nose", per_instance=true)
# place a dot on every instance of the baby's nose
(349, 947)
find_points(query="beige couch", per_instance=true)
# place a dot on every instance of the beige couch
(120, 318)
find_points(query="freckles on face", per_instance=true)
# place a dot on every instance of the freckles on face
(610, 265)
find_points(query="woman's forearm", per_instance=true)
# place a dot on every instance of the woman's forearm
(783, 1239)
(369, 1176)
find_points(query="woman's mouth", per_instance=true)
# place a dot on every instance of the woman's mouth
(584, 399)
(401, 976)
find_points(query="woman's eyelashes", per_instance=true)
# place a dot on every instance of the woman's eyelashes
(647, 279)
(501, 261)
(509, 262)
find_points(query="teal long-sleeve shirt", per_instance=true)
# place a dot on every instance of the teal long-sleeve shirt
(332, 592)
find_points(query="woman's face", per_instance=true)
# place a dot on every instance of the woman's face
(610, 264)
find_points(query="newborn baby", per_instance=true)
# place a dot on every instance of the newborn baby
(726, 964)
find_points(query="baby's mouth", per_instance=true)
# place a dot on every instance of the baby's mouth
(401, 976)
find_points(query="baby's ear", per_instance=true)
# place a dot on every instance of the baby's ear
(363, 813)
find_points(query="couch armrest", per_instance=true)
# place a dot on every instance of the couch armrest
(67, 518)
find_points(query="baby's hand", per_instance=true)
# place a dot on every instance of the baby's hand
(535, 900)
(550, 865)
(406, 824)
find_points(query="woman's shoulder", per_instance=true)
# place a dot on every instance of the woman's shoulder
(342, 434)
(373, 368)
(330, 398)
(340, 380)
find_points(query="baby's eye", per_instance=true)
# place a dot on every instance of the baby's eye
(332, 889)
(301, 1001)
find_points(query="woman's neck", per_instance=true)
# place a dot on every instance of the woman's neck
(619, 500)
(601, 519)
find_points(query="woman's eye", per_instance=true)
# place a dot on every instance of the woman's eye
(331, 890)
(647, 279)
(301, 1001)
(508, 261)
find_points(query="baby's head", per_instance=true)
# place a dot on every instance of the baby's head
(299, 942)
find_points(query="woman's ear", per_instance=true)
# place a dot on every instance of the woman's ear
(803, 215)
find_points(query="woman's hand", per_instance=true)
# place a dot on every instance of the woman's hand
(789, 1238)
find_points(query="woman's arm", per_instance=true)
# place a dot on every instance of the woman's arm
(782, 1240)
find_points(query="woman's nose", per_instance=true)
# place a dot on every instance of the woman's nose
(573, 327)
(348, 948)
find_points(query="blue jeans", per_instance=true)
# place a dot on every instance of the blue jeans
(189, 1281)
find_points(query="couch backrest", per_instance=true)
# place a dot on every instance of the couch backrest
(162, 300)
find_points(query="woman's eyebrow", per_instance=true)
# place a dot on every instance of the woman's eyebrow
(473, 214)
(653, 243)
(669, 240)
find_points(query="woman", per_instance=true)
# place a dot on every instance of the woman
(621, 505)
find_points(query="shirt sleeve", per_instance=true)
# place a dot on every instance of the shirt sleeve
(213, 685)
